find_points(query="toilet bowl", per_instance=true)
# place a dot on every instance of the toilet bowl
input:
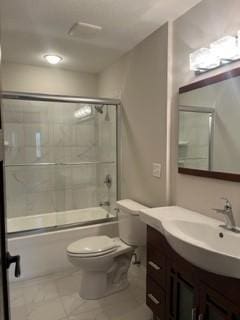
(104, 271)
(105, 261)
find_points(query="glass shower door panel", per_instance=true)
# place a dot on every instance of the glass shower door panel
(29, 167)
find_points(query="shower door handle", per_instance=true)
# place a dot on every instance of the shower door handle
(16, 260)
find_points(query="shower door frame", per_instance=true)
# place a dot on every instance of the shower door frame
(13, 95)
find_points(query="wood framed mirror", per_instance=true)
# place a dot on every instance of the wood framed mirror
(209, 127)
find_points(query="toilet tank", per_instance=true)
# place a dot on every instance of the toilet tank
(132, 230)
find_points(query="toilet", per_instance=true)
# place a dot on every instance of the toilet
(105, 261)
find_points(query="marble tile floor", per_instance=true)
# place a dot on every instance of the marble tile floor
(55, 297)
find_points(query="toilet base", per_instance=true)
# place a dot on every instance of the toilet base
(97, 288)
(96, 285)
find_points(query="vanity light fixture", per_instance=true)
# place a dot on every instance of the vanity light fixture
(203, 60)
(53, 59)
(226, 49)
(220, 52)
(83, 112)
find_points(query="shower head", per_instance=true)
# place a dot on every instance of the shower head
(99, 109)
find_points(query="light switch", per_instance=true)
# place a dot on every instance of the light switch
(156, 170)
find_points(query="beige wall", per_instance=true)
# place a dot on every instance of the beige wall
(206, 22)
(26, 78)
(139, 79)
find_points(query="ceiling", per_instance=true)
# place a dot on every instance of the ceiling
(32, 28)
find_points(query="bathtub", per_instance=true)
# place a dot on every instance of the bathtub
(44, 253)
(57, 219)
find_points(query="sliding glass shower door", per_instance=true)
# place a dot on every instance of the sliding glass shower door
(60, 163)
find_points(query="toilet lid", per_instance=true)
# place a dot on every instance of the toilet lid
(91, 245)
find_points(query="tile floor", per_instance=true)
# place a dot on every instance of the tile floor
(55, 297)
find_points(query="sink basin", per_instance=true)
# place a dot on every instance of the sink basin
(205, 245)
(198, 239)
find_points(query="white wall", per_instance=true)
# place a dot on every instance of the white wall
(206, 22)
(51, 80)
(139, 79)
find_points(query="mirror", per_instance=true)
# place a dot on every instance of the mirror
(209, 113)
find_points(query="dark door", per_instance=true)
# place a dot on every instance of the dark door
(4, 306)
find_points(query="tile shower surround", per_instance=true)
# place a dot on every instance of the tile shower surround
(38, 132)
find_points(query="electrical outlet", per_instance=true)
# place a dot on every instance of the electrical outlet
(156, 170)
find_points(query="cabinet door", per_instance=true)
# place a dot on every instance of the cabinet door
(182, 296)
(214, 306)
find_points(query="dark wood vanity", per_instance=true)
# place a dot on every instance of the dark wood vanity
(177, 290)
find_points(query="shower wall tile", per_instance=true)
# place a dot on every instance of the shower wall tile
(84, 197)
(63, 200)
(14, 155)
(38, 155)
(40, 202)
(84, 133)
(36, 135)
(61, 154)
(62, 177)
(61, 135)
(83, 176)
(14, 135)
(39, 179)
(13, 116)
(83, 153)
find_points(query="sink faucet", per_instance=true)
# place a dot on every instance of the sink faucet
(228, 215)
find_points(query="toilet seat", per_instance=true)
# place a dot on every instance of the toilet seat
(92, 246)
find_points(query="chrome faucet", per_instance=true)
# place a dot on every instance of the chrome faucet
(228, 215)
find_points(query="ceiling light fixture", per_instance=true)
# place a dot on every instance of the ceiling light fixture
(53, 59)
(221, 52)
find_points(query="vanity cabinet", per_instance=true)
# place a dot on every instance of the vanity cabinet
(177, 290)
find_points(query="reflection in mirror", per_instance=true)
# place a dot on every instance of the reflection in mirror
(195, 138)
(209, 125)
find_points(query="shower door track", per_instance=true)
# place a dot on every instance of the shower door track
(57, 98)
(29, 232)
(84, 163)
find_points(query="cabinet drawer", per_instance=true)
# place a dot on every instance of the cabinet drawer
(156, 298)
(156, 266)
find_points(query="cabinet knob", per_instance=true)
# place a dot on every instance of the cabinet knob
(154, 265)
(154, 300)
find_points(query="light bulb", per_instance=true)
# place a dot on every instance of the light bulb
(203, 59)
(226, 48)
